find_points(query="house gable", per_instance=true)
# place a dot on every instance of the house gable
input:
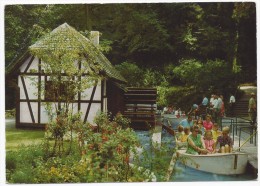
(31, 104)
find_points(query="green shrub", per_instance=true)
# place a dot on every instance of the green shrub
(122, 121)
(10, 113)
(96, 155)
(99, 156)
(24, 175)
(11, 161)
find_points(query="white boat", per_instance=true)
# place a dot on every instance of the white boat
(172, 116)
(181, 145)
(218, 163)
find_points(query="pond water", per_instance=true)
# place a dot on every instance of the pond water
(187, 174)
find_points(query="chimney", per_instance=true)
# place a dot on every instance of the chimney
(94, 37)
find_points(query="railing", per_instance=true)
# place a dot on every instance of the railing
(251, 128)
(231, 122)
(242, 126)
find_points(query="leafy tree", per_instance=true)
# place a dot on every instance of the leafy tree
(153, 35)
(188, 71)
(244, 15)
(209, 76)
(216, 76)
(153, 78)
(132, 73)
(143, 43)
(21, 28)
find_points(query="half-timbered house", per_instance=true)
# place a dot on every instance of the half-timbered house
(106, 95)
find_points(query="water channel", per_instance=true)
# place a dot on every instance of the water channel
(187, 174)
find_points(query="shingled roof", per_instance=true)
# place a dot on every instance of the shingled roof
(73, 40)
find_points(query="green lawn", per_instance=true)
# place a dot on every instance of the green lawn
(15, 137)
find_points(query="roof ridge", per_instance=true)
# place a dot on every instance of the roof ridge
(80, 43)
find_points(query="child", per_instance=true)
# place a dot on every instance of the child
(215, 132)
(200, 125)
(180, 132)
(209, 142)
(184, 137)
(225, 142)
(207, 124)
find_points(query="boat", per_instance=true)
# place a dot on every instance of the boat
(181, 145)
(171, 116)
(233, 163)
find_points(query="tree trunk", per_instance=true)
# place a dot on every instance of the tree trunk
(87, 15)
(235, 66)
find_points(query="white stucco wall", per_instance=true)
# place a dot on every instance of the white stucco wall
(44, 113)
(25, 64)
(35, 64)
(25, 115)
(32, 91)
(87, 93)
(104, 94)
(95, 108)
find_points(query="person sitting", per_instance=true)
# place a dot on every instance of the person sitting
(207, 124)
(178, 113)
(184, 136)
(209, 142)
(187, 122)
(225, 142)
(194, 110)
(181, 137)
(215, 132)
(173, 110)
(168, 110)
(196, 144)
(165, 110)
(180, 132)
(200, 125)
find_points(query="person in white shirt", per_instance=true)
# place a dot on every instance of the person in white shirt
(219, 102)
(211, 104)
(216, 108)
(205, 101)
(165, 110)
(212, 98)
(215, 102)
(232, 99)
(232, 102)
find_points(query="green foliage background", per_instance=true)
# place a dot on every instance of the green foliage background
(217, 40)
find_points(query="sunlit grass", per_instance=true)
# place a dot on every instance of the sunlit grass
(16, 137)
